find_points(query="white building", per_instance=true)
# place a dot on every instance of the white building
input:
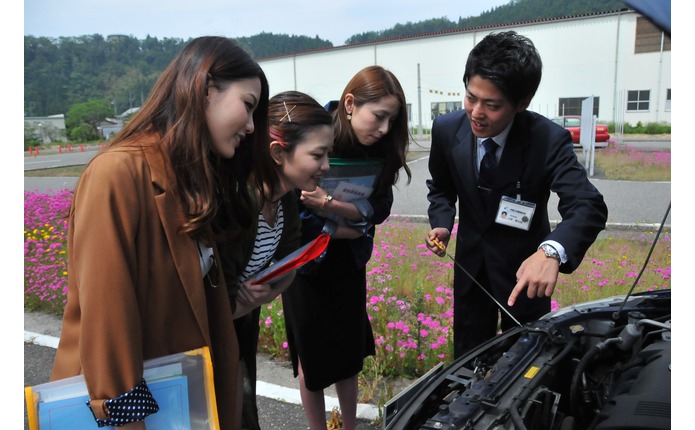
(48, 129)
(619, 58)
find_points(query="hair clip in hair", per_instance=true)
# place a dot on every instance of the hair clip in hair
(289, 118)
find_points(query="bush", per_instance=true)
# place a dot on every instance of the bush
(639, 128)
(657, 128)
(83, 133)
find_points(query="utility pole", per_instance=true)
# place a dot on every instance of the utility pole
(419, 102)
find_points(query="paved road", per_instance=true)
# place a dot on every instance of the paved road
(52, 158)
(273, 414)
(628, 202)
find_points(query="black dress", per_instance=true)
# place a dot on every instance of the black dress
(325, 308)
(326, 318)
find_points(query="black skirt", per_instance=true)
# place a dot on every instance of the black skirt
(326, 319)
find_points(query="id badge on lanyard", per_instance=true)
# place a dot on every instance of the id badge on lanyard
(514, 212)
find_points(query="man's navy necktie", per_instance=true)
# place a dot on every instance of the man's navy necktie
(488, 164)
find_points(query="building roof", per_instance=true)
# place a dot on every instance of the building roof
(454, 31)
(129, 112)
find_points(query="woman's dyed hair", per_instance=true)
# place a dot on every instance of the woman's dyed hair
(291, 116)
(369, 85)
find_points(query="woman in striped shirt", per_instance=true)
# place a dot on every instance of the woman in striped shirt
(301, 136)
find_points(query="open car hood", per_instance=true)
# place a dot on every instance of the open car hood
(598, 365)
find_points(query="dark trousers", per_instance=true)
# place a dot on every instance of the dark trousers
(247, 329)
(477, 317)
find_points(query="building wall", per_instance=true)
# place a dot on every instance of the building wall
(582, 57)
(48, 128)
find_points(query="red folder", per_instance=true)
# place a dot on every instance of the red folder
(298, 258)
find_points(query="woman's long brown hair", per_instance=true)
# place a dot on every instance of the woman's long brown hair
(206, 184)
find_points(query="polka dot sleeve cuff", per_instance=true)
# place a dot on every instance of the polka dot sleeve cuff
(130, 407)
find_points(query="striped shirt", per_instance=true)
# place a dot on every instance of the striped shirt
(267, 240)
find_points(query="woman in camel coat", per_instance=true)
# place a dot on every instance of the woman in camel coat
(143, 277)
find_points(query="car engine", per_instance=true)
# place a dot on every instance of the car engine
(597, 365)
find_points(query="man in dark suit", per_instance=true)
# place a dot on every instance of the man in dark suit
(528, 157)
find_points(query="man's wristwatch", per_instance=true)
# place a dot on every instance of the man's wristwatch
(550, 252)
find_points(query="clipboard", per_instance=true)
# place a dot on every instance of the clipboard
(350, 179)
(298, 258)
(182, 384)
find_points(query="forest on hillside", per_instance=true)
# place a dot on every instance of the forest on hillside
(64, 71)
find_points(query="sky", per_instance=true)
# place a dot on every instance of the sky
(334, 20)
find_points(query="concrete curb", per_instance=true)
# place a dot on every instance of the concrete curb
(40, 339)
(610, 226)
(263, 389)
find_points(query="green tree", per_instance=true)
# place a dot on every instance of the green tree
(89, 113)
(269, 44)
(83, 133)
(60, 72)
(31, 136)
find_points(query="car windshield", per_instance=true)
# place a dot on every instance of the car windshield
(572, 122)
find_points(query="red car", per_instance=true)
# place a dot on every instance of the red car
(572, 124)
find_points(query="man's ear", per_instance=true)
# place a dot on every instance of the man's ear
(277, 152)
(523, 104)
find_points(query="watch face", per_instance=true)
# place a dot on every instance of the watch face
(550, 251)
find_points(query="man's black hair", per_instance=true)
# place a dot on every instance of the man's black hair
(510, 61)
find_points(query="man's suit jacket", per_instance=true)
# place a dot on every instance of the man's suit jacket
(539, 156)
(135, 286)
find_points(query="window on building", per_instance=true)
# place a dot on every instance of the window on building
(573, 106)
(648, 37)
(667, 106)
(638, 101)
(409, 107)
(441, 108)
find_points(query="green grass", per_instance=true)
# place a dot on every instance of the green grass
(631, 165)
(68, 171)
